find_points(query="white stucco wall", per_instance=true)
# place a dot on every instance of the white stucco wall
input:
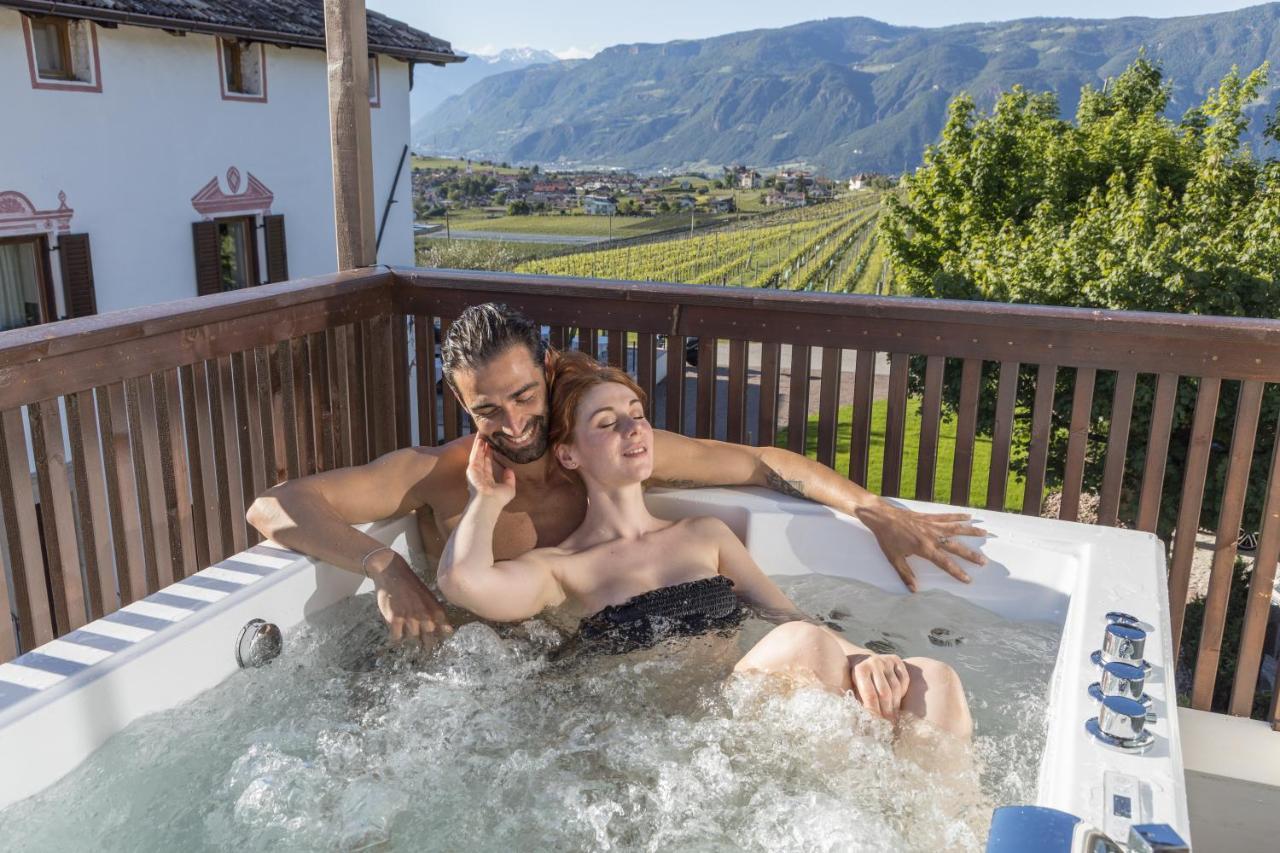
(131, 157)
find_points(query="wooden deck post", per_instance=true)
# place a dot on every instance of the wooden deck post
(347, 53)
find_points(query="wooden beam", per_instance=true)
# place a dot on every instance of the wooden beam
(347, 53)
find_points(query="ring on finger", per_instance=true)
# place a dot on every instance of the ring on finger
(944, 540)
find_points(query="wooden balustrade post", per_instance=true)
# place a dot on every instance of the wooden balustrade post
(347, 54)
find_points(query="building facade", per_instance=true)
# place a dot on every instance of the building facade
(142, 164)
(599, 205)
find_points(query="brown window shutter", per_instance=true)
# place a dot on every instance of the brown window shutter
(77, 275)
(208, 257)
(277, 255)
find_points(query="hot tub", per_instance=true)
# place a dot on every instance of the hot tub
(60, 702)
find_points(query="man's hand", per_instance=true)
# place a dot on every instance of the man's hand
(879, 683)
(902, 533)
(405, 601)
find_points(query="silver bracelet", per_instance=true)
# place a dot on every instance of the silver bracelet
(364, 563)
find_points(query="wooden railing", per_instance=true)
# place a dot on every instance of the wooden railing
(149, 431)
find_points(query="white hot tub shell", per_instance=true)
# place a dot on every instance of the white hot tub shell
(61, 701)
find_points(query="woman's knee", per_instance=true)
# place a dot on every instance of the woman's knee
(798, 645)
(799, 634)
(787, 642)
(936, 693)
(935, 676)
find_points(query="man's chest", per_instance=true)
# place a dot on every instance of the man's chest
(536, 520)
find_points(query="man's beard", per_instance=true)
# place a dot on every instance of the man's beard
(530, 452)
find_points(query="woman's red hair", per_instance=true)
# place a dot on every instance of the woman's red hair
(572, 376)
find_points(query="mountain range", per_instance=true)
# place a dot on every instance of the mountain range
(841, 94)
(433, 85)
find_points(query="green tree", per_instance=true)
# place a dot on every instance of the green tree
(1124, 208)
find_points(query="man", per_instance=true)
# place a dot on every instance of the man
(495, 363)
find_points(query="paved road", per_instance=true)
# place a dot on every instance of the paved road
(519, 237)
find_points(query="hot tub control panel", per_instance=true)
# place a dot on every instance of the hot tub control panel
(1124, 709)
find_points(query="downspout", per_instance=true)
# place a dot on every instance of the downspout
(391, 199)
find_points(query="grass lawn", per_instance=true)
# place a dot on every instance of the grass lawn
(748, 201)
(461, 165)
(911, 453)
(576, 224)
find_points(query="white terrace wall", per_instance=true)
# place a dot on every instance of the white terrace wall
(130, 158)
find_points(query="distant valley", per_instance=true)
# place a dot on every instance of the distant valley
(839, 95)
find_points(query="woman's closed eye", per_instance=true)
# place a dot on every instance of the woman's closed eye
(612, 424)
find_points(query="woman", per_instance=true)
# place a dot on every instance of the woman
(633, 578)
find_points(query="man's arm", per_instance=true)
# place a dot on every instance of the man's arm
(314, 515)
(682, 462)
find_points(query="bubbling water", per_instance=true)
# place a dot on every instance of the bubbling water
(482, 744)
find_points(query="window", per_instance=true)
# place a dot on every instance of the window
(238, 253)
(52, 43)
(25, 298)
(62, 53)
(375, 83)
(242, 70)
(233, 66)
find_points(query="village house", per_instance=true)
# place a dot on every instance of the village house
(155, 150)
(562, 201)
(747, 179)
(686, 202)
(552, 187)
(820, 190)
(599, 205)
(785, 199)
(723, 204)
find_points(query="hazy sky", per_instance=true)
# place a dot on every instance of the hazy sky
(575, 28)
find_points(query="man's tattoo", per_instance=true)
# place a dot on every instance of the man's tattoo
(678, 484)
(791, 488)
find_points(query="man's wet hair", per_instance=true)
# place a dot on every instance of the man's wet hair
(483, 331)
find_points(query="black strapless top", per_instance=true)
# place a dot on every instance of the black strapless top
(682, 610)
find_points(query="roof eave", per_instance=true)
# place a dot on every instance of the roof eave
(109, 16)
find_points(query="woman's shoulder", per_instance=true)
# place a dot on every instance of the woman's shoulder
(705, 526)
(706, 522)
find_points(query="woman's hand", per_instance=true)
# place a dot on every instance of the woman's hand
(879, 683)
(487, 479)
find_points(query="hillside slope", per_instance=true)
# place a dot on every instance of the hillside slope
(431, 86)
(842, 94)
